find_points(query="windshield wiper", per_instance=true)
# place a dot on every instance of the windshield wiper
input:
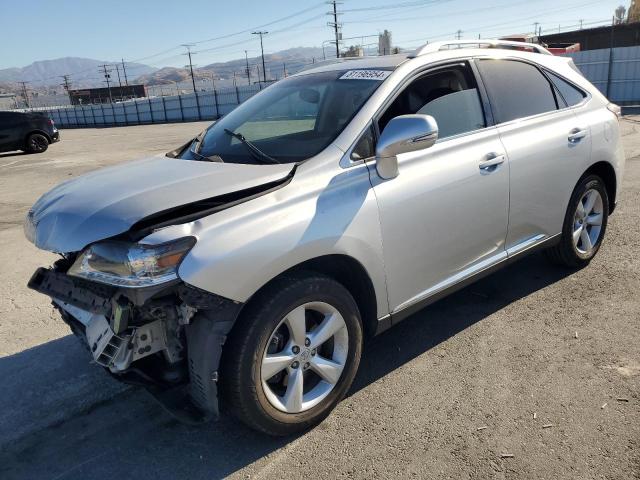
(255, 152)
(197, 148)
(212, 158)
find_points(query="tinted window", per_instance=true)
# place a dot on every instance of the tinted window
(448, 95)
(516, 89)
(571, 95)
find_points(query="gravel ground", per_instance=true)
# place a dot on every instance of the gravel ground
(533, 372)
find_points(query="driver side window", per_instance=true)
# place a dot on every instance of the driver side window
(450, 95)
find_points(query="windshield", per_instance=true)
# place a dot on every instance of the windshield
(294, 119)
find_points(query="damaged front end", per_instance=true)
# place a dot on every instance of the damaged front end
(166, 337)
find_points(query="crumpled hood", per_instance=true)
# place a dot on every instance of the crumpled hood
(109, 201)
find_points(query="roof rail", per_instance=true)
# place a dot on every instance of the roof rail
(452, 44)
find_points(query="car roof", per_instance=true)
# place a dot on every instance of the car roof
(383, 61)
(434, 52)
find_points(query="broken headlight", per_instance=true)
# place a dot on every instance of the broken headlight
(131, 264)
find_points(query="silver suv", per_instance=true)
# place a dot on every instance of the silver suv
(247, 267)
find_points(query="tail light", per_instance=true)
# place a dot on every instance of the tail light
(613, 108)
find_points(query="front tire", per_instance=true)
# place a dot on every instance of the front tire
(37, 143)
(292, 355)
(584, 224)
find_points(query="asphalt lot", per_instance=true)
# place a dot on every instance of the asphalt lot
(528, 347)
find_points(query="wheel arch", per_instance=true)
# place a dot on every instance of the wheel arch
(347, 271)
(605, 171)
(36, 130)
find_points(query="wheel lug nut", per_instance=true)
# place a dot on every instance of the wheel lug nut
(313, 352)
(295, 349)
(295, 365)
(306, 365)
(307, 342)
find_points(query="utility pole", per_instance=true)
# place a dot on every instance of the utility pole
(25, 95)
(119, 82)
(284, 70)
(581, 24)
(193, 78)
(106, 73)
(246, 59)
(335, 25)
(459, 34)
(66, 85)
(188, 47)
(264, 70)
(535, 27)
(126, 82)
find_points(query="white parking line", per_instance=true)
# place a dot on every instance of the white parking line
(10, 163)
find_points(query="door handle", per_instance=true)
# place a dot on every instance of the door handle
(491, 162)
(576, 135)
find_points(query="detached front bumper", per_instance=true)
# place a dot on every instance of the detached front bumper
(167, 338)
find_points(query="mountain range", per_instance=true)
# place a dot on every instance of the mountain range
(47, 75)
(83, 71)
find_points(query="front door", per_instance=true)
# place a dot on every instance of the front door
(444, 217)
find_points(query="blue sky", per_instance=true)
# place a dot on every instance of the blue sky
(151, 31)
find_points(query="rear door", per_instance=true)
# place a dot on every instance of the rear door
(12, 130)
(547, 147)
(8, 126)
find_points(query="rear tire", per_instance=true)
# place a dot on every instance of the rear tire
(273, 361)
(37, 143)
(584, 224)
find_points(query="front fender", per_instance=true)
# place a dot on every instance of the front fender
(322, 211)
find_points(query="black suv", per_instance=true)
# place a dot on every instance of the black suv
(31, 132)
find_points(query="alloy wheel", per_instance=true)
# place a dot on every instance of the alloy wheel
(587, 223)
(304, 358)
(37, 143)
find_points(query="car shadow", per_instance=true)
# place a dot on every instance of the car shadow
(16, 153)
(128, 435)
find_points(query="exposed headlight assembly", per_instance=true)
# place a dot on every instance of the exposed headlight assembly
(131, 264)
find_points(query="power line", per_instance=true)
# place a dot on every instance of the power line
(394, 6)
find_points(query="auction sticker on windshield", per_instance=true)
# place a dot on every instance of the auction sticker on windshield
(365, 75)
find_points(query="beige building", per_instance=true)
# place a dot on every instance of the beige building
(633, 15)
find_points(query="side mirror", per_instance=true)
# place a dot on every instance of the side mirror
(406, 133)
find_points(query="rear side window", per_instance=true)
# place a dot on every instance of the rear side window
(571, 95)
(516, 89)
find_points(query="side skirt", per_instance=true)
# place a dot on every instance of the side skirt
(514, 254)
